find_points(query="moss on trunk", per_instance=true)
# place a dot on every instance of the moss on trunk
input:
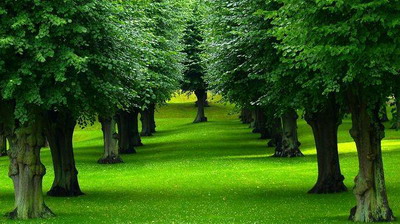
(370, 190)
(27, 171)
(110, 137)
(290, 143)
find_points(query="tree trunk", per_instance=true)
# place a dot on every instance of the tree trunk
(146, 123)
(370, 190)
(137, 141)
(27, 171)
(152, 110)
(324, 124)
(125, 121)
(206, 104)
(396, 117)
(261, 124)
(253, 119)
(290, 143)
(110, 137)
(200, 94)
(59, 130)
(3, 141)
(245, 116)
(276, 133)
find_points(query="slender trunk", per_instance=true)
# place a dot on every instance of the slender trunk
(152, 110)
(275, 128)
(137, 141)
(290, 143)
(3, 141)
(146, 123)
(59, 130)
(125, 121)
(370, 190)
(110, 137)
(253, 119)
(396, 117)
(325, 124)
(245, 116)
(200, 117)
(27, 171)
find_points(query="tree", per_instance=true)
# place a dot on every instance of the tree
(240, 56)
(194, 73)
(54, 73)
(351, 47)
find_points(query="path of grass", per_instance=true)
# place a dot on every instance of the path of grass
(215, 172)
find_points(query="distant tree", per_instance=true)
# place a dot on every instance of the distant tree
(193, 80)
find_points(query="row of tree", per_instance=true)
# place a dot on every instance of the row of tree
(325, 58)
(68, 62)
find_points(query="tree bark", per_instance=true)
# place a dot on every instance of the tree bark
(290, 143)
(59, 130)
(152, 110)
(27, 171)
(137, 141)
(3, 141)
(253, 119)
(261, 124)
(110, 137)
(200, 117)
(370, 190)
(146, 123)
(396, 117)
(325, 124)
(276, 133)
(245, 116)
(125, 121)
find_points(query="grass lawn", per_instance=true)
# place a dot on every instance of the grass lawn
(214, 172)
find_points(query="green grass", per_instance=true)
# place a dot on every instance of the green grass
(215, 172)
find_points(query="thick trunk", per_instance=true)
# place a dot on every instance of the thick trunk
(110, 137)
(206, 104)
(152, 110)
(245, 116)
(396, 117)
(370, 189)
(27, 171)
(146, 123)
(275, 128)
(125, 121)
(325, 125)
(59, 130)
(200, 117)
(290, 143)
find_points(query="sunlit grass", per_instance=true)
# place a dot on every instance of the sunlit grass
(215, 172)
